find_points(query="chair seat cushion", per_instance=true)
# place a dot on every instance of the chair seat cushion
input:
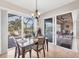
(39, 47)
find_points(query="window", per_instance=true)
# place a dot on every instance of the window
(19, 27)
(28, 26)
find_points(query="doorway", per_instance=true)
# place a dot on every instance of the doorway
(48, 29)
(65, 30)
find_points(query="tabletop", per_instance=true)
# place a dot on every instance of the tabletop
(26, 42)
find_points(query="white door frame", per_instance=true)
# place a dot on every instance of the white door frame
(74, 18)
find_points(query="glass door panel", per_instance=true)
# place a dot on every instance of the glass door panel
(48, 29)
(65, 30)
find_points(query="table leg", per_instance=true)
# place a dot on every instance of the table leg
(47, 43)
(30, 53)
(23, 53)
(15, 52)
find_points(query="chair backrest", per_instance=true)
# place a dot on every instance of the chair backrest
(16, 43)
(12, 41)
(41, 40)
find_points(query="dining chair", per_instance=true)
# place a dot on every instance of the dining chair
(18, 49)
(39, 46)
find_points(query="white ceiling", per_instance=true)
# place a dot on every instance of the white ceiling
(43, 5)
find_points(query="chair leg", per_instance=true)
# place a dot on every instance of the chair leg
(47, 44)
(44, 52)
(23, 52)
(15, 52)
(37, 54)
(30, 53)
(18, 54)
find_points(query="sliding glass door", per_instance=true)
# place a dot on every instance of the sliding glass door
(65, 30)
(48, 29)
(59, 30)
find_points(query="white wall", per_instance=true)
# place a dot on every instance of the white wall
(8, 6)
(0, 31)
(35, 25)
(41, 25)
(4, 31)
(74, 43)
(61, 10)
(77, 30)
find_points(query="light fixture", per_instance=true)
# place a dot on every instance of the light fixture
(36, 14)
